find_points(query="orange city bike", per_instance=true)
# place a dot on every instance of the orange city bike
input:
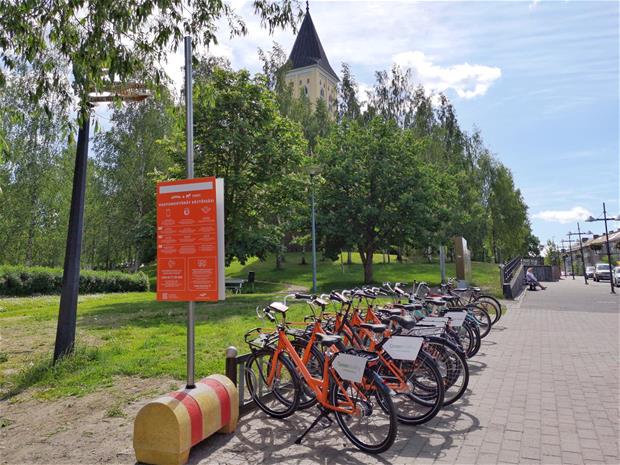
(346, 386)
(416, 383)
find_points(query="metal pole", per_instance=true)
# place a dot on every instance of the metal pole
(564, 260)
(231, 364)
(67, 317)
(313, 237)
(583, 259)
(442, 263)
(570, 251)
(189, 155)
(611, 277)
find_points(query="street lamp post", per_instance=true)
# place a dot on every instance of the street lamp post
(583, 259)
(605, 219)
(563, 251)
(313, 170)
(570, 251)
(67, 313)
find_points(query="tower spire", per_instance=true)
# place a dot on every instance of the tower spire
(307, 6)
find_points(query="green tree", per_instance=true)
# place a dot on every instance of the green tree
(508, 223)
(241, 136)
(375, 192)
(349, 106)
(129, 156)
(33, 198)
(104, 41)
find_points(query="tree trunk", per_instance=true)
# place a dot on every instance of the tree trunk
(349, 259)
(278, 261)
(366, 257)
(399, 255)
(31, 231)
(303, 255)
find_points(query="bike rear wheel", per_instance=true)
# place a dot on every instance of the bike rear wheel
(426, 397)
(452, 367)
(491, 305)
(482, 317)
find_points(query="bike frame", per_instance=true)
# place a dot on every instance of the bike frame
(319, 386)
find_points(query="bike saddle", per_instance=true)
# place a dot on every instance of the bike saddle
(375, 328)
(391, 311)
(328, 339)
(412, 306)
(277, 307)
(405, 322)
(370, 356)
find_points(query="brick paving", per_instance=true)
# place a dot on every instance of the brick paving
(544, 388)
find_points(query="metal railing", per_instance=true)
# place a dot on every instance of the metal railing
(512, 276)
(235, 371)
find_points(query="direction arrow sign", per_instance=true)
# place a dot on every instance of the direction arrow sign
(350, 367)
(403, 347)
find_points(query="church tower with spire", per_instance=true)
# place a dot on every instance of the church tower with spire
(310, 72)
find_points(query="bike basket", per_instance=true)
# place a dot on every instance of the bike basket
(257, 339)
(422, 331)
(369, 356)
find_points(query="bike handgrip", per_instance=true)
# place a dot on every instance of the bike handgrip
(269, 315)
(301, 296)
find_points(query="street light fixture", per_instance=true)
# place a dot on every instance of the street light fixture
(591, 219)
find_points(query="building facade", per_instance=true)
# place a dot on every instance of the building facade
(310, 73)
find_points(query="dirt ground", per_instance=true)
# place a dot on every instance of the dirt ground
(95, 428)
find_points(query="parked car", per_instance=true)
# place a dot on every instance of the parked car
(601, 272)
(590, 271)
(616, 276)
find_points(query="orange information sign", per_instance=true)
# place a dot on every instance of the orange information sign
(190, 240)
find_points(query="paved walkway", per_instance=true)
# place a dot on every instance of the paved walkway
(544, 389)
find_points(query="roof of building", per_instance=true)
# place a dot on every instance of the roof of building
(307, 50)
(614, 236)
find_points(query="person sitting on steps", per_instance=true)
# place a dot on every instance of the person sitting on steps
(532, 281)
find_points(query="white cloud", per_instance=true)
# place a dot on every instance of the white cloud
(564, 216)
(468, 81)
(534, 4)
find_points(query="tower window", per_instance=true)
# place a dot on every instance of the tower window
(308, 81)
(322, 93)
(300, 82)
(306, 90)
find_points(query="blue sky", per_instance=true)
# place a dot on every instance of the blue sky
(540, 79)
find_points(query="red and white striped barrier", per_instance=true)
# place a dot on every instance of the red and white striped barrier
(167, 428)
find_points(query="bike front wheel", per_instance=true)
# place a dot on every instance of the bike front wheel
(372, 426)
(277, 395)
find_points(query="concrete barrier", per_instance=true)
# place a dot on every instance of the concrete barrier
(167, 428)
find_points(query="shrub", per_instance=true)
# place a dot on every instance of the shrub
(23, 280)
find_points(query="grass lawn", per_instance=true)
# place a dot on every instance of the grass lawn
(118, 334)
(333, 275)
(132, 334)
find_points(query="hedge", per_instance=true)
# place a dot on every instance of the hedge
(25, 280)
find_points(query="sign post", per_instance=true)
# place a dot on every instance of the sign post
(442, 263)
(190, 233)
(189, 155)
